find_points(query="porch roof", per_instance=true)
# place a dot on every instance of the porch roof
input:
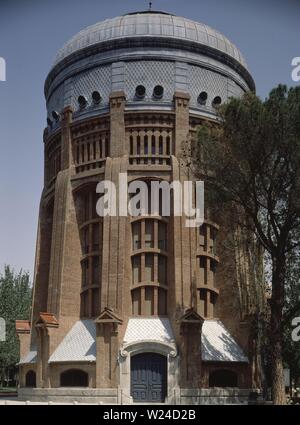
(78, 345)
(218, 345)
(148, 329)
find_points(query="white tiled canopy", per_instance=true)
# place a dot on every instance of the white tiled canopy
(148, 329)
(218, 345)
(78, 345)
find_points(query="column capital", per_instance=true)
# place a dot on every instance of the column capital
(117, 96)
(181, 99)
(182, 95)
(67, 115)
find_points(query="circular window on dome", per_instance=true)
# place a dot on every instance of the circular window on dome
(96, 97)
(55, 115)
(217, 101)
(202, 98)
(158, 92)
(82, 101)
(140, 92)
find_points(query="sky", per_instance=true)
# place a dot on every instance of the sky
(31, 31)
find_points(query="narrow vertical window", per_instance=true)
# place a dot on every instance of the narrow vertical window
(162, 236)
(162, 302)
(146, 145)
(149, 267)
(149, 237)
(131, 145)
(153, 145)
(96, 236)
(136, 269)
(160, 145)
(138, 145)
(149, 301)
(86, 240)
(136, 301)
(202, 262)
(96, 276)
(136, 235)
(168, 145)
(95, 302)
(162, 269)
(106, 147)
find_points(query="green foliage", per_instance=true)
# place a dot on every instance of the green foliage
(253, 160)
(15, 302)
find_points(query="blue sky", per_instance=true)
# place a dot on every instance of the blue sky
(31, 31)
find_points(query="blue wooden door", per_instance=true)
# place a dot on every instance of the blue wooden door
(148, 377)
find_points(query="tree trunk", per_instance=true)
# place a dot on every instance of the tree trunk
(276, 337)
(278, 390)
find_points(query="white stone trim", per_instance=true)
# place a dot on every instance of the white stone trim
(168, 350)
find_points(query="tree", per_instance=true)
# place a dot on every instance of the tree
(291, 350)
(15, 302)
(251, 161)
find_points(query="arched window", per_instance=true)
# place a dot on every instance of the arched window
(74, 378)
(30, 379)
(223, 378)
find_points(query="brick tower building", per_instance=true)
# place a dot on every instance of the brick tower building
(135, 308)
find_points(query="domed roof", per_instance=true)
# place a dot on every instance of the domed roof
(150, 24)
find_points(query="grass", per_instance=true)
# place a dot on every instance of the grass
(7, 389)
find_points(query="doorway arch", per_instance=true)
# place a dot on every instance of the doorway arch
(30, 379)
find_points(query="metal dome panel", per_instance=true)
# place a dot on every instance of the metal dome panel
(149, 24)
